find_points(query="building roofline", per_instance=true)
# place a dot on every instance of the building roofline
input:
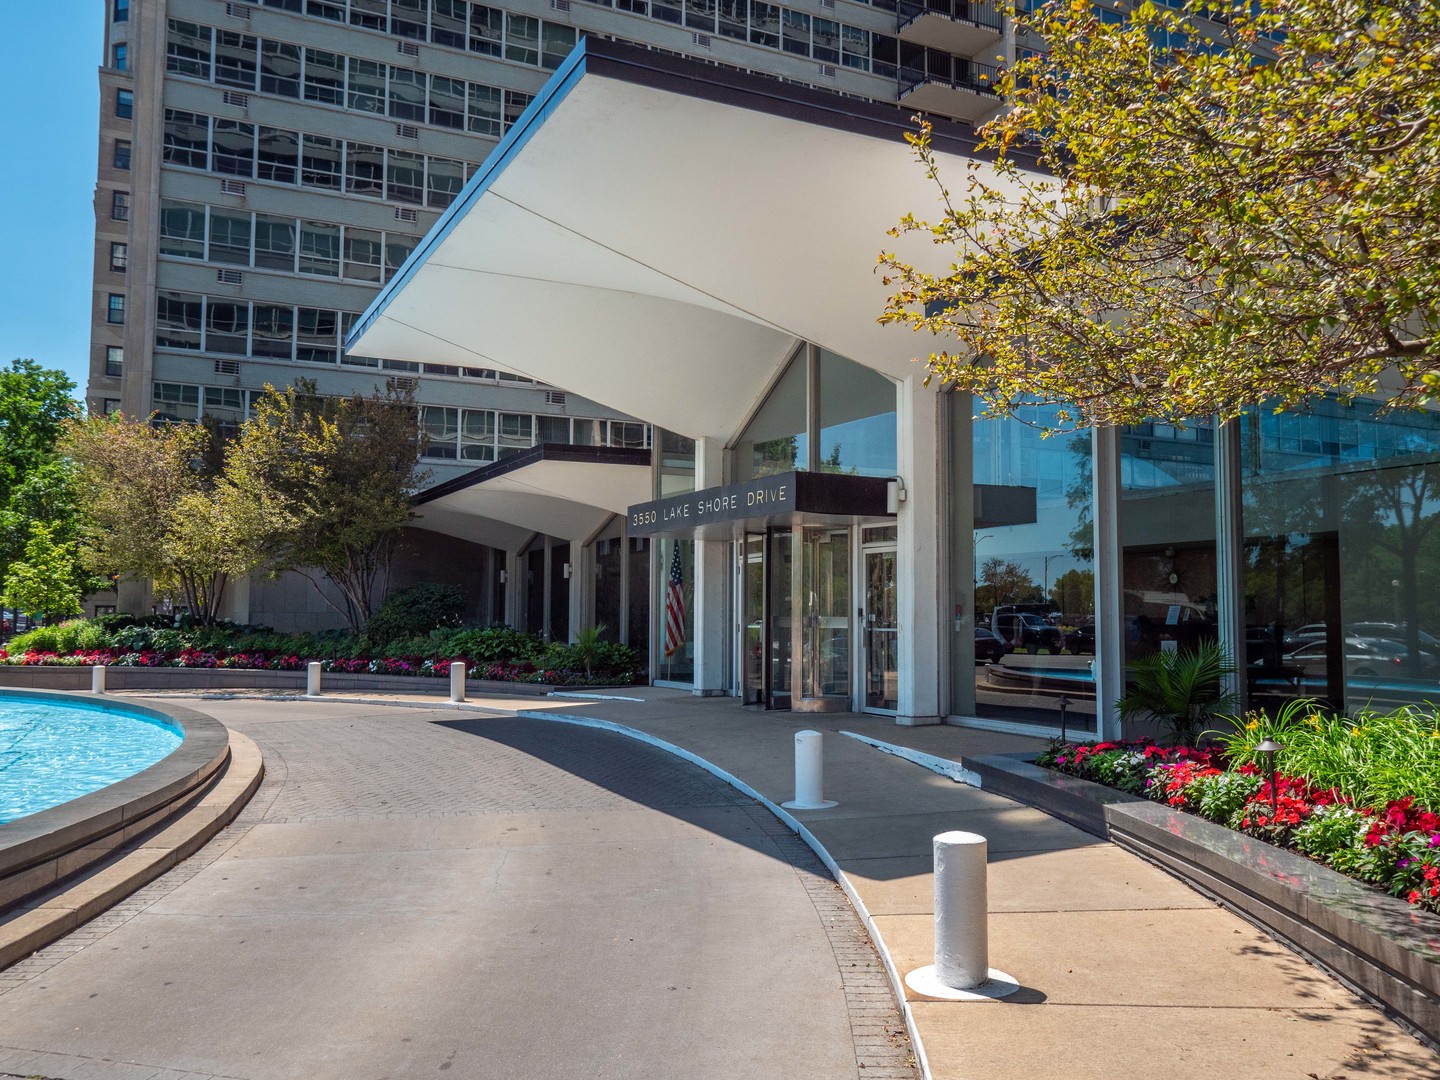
(592, 455)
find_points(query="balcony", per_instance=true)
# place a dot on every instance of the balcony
(965, 92)
(964, 27)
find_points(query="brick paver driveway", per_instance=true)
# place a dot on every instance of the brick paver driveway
(412, 894)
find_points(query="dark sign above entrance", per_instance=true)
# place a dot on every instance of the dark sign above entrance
(770, 500)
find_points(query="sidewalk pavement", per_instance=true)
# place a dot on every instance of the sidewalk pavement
(1125, 972)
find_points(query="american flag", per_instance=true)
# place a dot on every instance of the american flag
(675, 606)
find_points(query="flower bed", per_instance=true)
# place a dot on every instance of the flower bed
(417, 666)
(1349, 809)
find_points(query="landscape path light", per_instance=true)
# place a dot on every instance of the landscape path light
(1268, 749)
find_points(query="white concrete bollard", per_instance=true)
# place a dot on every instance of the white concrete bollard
(457, 680)
(809, 773)
(312, 679)
(97, 679)
(962, 968)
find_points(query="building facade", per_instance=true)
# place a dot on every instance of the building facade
(266, 167)
(828, 531)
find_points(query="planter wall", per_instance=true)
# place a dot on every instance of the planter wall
(1379, 945)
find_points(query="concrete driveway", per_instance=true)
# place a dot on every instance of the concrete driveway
(412, 894)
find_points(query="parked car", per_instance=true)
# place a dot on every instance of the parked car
(1026, 630)
(988, 647)
(1081, 639)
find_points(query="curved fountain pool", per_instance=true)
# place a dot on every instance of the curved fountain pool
(54, 751)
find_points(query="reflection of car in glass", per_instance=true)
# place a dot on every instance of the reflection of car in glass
(1026, 630)
(1394, 632)
(1365, 658)
(1081, 639)
(988, 647)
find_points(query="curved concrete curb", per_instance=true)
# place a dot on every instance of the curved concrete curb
(40, 849)
(35, 923)
(897, 985)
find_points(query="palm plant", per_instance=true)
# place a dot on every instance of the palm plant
(1182, 689)
(589, 647)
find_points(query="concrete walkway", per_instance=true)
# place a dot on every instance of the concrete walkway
(1126, 973)
(418, 893)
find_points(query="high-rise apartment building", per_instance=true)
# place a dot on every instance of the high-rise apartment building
(265, 167)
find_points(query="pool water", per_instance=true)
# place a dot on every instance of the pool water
(51, 753)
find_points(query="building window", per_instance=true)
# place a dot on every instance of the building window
(119, 257)
(122, 11)
(118, 59)
(120, 206)
(114, 361)
(110, 405)
(115, 313)
(122, 154)
(125, 104)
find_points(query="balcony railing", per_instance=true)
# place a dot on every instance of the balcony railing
(977, 14)
(966, 75)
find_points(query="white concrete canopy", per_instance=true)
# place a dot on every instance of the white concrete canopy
(659, 241)
(569, 492)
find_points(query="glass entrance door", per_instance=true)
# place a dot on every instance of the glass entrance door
(824, 600)
(780, 625)
(882, 632)
(752, 619)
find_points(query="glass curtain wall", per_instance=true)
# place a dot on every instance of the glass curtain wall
(776, 440)
(1341, 556)
(1033, 572)
(857, 419)
(1167, 534)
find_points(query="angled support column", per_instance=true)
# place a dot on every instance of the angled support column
(918, 572)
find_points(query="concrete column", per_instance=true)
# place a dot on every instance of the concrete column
(712, 585)
(236, 603)
(1109, 581)
(919, 570)
(514, 584)
(582, 587)
(133, 596)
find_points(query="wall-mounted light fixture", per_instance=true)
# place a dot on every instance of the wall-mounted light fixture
(895, 494)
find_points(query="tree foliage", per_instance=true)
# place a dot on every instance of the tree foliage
(46, 579)
(352, 501)
(173, 504)
(1187, 215)
(38, 501)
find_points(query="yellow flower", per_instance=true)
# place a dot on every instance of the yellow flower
(1354, 732)
(1252, 725)
(1435, 734)
(1313, 720)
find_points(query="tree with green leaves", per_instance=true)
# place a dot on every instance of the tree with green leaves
(1194, 210)
(165, 502)
(46, 580)
(351, 503)
(38, 502)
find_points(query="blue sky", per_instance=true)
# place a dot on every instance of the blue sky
(48, 127)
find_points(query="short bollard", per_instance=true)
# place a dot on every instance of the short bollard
(809, 773)
(312, 679)
(962, 970)
(457, 681)
(97, 679)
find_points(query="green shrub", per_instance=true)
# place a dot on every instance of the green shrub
(1334, 835)
(92, 637)
(493, 645)
(1223, 797)
(415, 611)
(401, 647)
